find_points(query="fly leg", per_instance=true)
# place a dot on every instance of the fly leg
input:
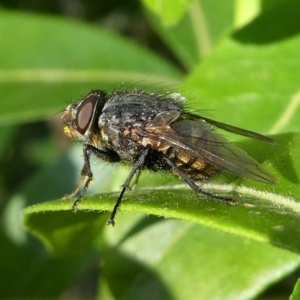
(136, 180)
(86, 172)
(135, 170)
(194, 186)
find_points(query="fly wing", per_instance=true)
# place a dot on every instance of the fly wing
(199, 139)
(233, 129)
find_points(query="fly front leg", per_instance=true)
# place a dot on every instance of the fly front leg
(86, 172)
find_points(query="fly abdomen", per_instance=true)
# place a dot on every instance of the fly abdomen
(194, 167)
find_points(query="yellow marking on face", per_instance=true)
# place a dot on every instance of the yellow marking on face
(67, 131)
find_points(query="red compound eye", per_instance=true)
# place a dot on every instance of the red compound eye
(85, 113)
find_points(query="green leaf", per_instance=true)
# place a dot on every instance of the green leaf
(70, 233)
(286, 10)
(245, 11)
(296, 292)
(263, 212)
(250, 80)
(29, 270)
(27, 265)
(205, 26)
(46, 61)
(170, 12)
(255, 86)
(164, 259)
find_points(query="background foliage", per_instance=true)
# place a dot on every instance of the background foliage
(237, 61)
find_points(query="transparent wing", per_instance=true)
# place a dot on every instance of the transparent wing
(199, 139)
(232, 129)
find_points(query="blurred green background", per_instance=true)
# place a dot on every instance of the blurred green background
(237, 61)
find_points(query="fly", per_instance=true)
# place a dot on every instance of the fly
(156, 132)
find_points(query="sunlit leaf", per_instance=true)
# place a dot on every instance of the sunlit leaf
(46, 61)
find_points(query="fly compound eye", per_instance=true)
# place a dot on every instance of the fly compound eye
(85, 113)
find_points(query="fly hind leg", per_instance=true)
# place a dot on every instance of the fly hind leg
(194, 186)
